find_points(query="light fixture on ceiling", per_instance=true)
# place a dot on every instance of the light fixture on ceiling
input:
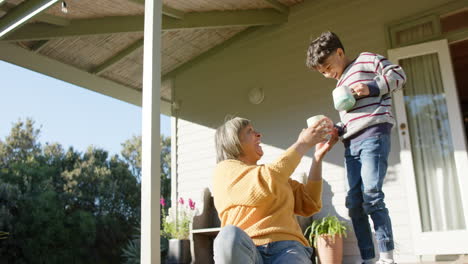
(33, 8)
(256, 95)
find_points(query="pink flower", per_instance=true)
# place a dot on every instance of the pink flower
(191, 204)
(181, 200)
(162, 201)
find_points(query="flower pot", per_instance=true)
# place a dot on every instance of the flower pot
(179, 251)
(329, 250)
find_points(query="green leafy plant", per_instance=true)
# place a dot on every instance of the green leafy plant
(131, 252)
(327, 226)
(177, 223)
(3, 235)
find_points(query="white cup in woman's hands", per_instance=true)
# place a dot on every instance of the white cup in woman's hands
(325, 123)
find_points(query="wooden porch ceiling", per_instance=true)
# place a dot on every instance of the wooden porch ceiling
(103, 39)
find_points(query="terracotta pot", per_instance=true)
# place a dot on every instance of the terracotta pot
(179, 251)
(329, 250)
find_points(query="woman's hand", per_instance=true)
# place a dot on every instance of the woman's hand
(314, 134)
(323, 147)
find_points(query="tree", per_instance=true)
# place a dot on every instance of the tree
(166, 168)
(37, 221)
(132, 155)
(9, 196)
(62, 206)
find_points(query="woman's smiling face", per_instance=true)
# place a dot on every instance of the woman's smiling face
(250, 141)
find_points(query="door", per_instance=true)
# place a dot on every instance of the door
(433, 149)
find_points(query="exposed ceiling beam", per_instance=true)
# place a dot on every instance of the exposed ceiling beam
(41, 64)
(38, 46)
(42, 17)
(21, 14)
(278, 6)
(53, 20)
(112, 25)
(118, 57)
(166, 10)
(141, 2)
(171, 12)
(219, 19)
(79, 27)
(4, 8)
(38, 63)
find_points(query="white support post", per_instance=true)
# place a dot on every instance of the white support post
(151, 149)
(174, 172)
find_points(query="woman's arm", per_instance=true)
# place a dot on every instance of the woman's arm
(308, 197)
(321, 149)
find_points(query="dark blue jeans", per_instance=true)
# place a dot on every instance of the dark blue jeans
(234, 246)
(366, 167)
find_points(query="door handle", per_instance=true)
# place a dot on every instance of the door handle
(402, 126)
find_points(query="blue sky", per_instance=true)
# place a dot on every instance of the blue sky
(67, 114)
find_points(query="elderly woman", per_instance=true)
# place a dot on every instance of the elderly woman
(257, 203)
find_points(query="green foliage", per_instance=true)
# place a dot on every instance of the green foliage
(166, 168)
(63, 206)
(9, 196)
(3, 235)
(131, 252)
(329, 226)
(177, 223)
(132, 155)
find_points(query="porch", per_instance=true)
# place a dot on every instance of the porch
(219, 58)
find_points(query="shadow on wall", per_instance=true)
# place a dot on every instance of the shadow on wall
(328, 209)
(351, 254)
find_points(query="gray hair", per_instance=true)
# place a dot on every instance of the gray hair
(227, 140)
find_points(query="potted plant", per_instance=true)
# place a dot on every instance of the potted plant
(326, 235)
(176, 228)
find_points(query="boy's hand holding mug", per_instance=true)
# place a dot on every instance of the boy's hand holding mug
(360, 89)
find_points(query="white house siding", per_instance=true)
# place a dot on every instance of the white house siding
(273, 58)
(196, 160)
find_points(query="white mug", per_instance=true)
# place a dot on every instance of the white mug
(343, 99)
(312, 120)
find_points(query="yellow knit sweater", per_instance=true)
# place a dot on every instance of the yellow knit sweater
(262, 200)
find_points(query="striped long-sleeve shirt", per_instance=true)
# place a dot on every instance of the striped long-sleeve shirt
(382, 77)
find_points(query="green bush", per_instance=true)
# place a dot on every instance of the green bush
(3, 235)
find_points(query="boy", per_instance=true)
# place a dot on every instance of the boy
(366, 135)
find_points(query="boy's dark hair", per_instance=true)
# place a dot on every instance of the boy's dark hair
(321, 48)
